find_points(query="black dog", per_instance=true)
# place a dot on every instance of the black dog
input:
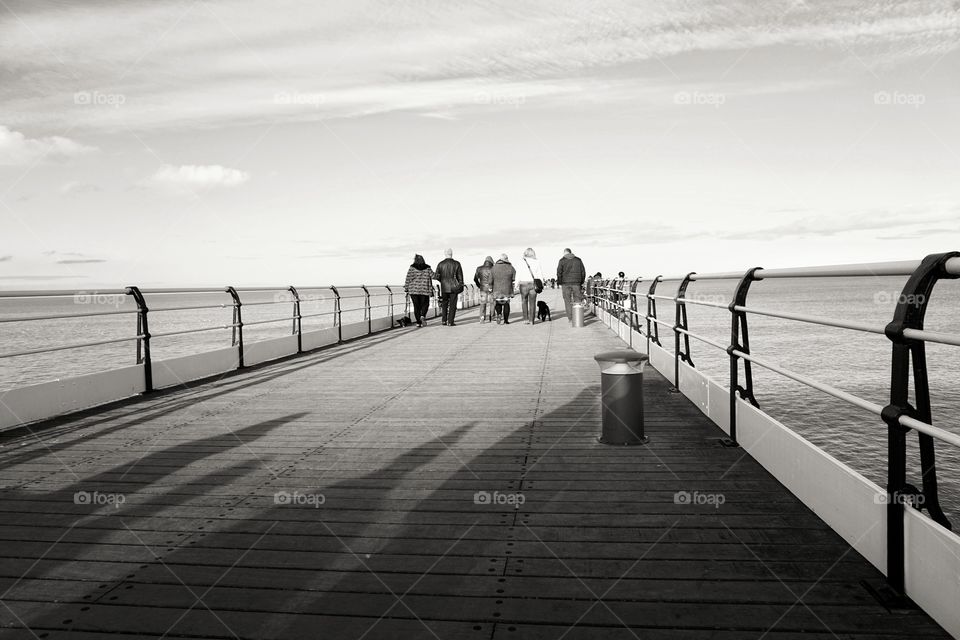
(404, 321)
(543, 311)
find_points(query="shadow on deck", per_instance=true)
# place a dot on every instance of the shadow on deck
(373, 493)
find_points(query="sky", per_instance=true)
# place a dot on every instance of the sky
(214, 142)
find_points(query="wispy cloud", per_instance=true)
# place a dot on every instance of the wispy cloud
(31, 277)
(6, 258)
(80, 261)
(861, 222)
(18, 149)
(75, 187)
(655, 234)
(194, 178)
(250, 61)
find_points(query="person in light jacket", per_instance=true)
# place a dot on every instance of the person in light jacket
(527, 274)
(419, 284)
(503, 277)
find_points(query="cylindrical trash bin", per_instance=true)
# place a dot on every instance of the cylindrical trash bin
(621, 390)
(577, 311)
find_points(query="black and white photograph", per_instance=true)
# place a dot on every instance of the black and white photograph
(480, 320)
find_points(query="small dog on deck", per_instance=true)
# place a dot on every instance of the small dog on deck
(543, 311)
(404, 321)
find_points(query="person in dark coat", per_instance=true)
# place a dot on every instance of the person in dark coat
(483, 278)
(419, 284)
(450, 274)
(571, 276)
(504, 276)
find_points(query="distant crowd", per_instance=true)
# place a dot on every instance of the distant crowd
(498, 282)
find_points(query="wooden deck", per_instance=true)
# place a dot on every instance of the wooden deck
(398, 433)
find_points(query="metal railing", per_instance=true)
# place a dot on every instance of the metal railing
(289, 295)
(905, 331)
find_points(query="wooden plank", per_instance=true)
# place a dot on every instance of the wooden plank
(399, 433)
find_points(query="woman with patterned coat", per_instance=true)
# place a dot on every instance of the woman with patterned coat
(419, 285)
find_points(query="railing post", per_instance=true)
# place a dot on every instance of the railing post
(390, 299)
(653, 331)
(143, 329)
(680, 322)
(634, 309)
(337, 313)
(909, 314)
(366, 309)
(297, 324)
(740, 341)
(237, 335)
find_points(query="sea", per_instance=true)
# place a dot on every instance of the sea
(852, 361)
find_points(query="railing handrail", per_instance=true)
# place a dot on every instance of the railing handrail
(62, 293)
(892, 268)
(905, 331)
(141, 311)
(913, 334)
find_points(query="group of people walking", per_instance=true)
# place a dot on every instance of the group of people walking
(497, 283)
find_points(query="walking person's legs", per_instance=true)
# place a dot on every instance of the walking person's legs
(417, 306)
(423, 306)
(451, 308)
(486, 306)
(531, 302)
(567, 291)
(524, 290)
(444, 301)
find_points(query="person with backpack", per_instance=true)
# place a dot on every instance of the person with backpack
(483, 278)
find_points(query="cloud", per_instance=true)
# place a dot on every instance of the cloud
(37, 277)
(80, 261)
(6, 258)
(194, 178)
(250, 61)
(77, 187)
(862, 222)
(608, 236)
(17, 149)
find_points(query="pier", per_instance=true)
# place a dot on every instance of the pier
(443, 482)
